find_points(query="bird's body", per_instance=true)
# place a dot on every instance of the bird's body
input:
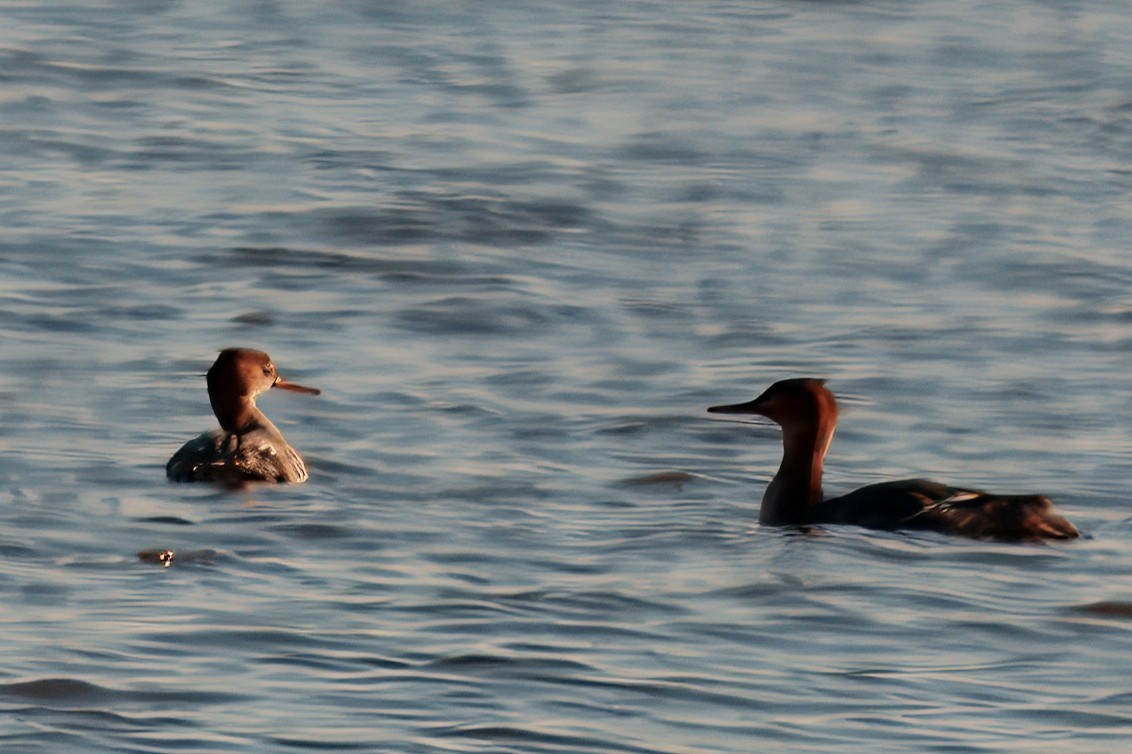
(807, 412)
(218, 456)
(248, 446)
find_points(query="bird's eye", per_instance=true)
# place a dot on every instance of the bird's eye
(268, 371)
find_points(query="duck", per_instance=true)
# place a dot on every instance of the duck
(248, 446)
(806, 410)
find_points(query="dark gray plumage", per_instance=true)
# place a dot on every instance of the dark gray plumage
(807, 412)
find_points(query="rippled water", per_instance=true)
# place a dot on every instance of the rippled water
(521, 247)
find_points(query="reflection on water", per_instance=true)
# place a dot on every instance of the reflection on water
(522, 249)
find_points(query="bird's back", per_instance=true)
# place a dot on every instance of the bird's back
(217, 456)
(923, 504)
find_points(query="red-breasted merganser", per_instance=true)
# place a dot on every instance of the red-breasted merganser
(807, 412)
(247, 447)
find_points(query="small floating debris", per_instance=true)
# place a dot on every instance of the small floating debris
(1111, 608)
(675, 479)
(254, 318)
(163, 558)
(166, 557)
(172, 520)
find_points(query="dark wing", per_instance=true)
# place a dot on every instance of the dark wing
(198, 458)
(922, 504)
(222, 458)
(271, 459)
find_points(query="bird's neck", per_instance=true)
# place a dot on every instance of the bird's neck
(796, 486)
(238, 415)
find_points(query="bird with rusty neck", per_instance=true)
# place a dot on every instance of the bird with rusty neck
(807, 412)
(248, 446)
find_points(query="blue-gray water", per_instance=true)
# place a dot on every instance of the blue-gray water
(521, 247)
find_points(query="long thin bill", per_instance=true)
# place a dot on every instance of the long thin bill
(750, 407)
(294, 387)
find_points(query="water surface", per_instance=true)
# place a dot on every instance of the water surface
(521, 247)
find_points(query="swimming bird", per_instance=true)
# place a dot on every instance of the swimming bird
(807, 412)
(247, 447)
